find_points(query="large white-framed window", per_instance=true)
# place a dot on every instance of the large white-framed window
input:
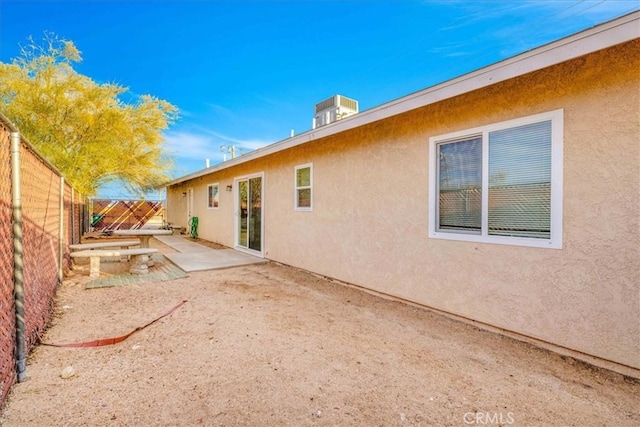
(303, 183)
(213, 196)
(500, 183)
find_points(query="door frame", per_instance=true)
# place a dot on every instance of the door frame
(236, 214)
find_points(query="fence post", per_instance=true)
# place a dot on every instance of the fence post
(18, 257)
(61, 233)
(73, 217)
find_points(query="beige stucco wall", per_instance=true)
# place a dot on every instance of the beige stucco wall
(370, 211)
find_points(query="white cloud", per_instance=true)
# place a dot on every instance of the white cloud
(606, 9)
(489, 10)
(512, 27)
(184, 145)
(532, 18)
(218, 108)
(206, 144)
(246, 144)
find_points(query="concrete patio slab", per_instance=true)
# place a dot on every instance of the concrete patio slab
(194, 257)
(181, 244)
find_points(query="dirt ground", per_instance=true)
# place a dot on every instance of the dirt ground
(273, 345)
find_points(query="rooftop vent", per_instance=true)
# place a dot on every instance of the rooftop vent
(333, 109)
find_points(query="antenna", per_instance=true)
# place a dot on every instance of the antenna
(231, 149)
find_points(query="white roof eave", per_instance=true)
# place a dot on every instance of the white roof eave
(611, 33)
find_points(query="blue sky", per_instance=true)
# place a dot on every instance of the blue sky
(245, 73)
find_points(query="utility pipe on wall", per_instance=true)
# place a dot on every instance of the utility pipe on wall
(18, 258)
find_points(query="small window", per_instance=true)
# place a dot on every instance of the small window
(213, 196)
(303, 181)
(501, 183)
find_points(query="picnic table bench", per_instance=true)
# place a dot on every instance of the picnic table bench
(139, 259)
(124, 244)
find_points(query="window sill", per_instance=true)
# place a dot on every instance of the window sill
(499, 240)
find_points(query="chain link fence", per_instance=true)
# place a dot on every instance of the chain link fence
(53, 216)
(7, 307)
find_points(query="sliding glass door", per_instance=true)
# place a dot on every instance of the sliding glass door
(249, 213)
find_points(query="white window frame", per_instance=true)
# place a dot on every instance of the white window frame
(557, 134)
(209, 193)
(304, 187)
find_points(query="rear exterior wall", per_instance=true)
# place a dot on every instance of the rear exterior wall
(369, 224)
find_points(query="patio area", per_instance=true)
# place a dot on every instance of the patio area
(268, 344)
(191, 256)
(180, 255)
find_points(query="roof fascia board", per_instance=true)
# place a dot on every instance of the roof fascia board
(602, 36)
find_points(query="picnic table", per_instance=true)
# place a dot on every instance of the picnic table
(144, 234)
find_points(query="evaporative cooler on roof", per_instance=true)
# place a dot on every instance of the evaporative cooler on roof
(335, 108)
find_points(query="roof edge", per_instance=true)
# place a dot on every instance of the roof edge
(601, 36)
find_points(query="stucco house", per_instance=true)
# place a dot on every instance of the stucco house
(507, 197)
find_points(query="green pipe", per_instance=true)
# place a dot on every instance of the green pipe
(18, 257)
(193, 223)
